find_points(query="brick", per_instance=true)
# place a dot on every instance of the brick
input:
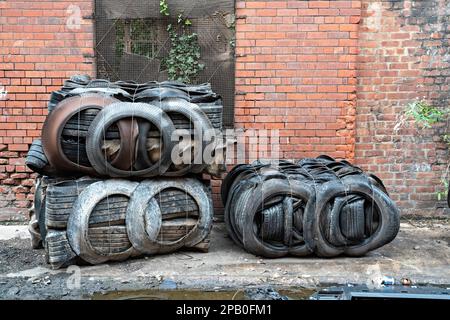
(266, 12)
(18, 147)
(319, 4)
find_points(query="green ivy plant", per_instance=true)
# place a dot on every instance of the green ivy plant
(425, 115)
(442, 194)
(183, 60)
(182, 63)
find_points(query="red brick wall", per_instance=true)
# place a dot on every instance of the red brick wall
(404, 55)
(295, 72)
(315, 70)
(41, 44)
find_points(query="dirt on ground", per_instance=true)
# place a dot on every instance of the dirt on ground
(17, 255)
(421, 253)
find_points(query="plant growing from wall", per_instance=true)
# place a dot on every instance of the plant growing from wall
(183, 60)
(182, 63)
(425, 116)
(423, 113)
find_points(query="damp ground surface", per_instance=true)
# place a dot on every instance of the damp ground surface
(421, 252)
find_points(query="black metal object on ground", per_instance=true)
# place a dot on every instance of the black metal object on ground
(383, 293)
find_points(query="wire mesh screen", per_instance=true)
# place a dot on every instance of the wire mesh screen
(132, 42)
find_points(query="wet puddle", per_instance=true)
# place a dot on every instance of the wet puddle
(300, 294)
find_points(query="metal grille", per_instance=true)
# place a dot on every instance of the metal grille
(132, 41)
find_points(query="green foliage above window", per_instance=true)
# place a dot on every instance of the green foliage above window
(182, 63)
(140, 36)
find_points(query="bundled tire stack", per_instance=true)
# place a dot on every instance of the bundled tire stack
(94, 221)
(97, 132)
(99, 128)
(316, 205)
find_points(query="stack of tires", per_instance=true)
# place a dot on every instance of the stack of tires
(99, 128)
(94, 221)
(98, 134)
(317, 206)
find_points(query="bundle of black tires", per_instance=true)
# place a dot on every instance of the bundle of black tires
(94, 221)
(93, 128)
(96, 132)
(317, 206)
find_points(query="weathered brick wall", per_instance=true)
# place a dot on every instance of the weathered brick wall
(295, 72)
(404, 55)
(311, 69)
(41, 44)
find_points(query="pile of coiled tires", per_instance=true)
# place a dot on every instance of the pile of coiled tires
(124, 129)
(94, 221)
(98, 133)
(319, 206)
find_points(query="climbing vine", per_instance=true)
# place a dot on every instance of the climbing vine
(183, 60)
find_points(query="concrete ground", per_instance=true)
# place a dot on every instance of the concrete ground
(421, 252)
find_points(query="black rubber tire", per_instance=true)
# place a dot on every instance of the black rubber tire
(77, 126)
(143, 160)
(78, 225)
(68, 188)
(59, 252)
(194, 115)
(112, 114)
(36, 159)
(234, 176)
(240, 184)
(230, 211)
(389, 217)
(35, 162)
(54, 125)
(144, 218)
(60, 198)
(264, 191)
(39, 207)
(110, 134)
(272, 225)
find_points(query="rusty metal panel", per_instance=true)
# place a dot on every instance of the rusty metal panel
(125, 55)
